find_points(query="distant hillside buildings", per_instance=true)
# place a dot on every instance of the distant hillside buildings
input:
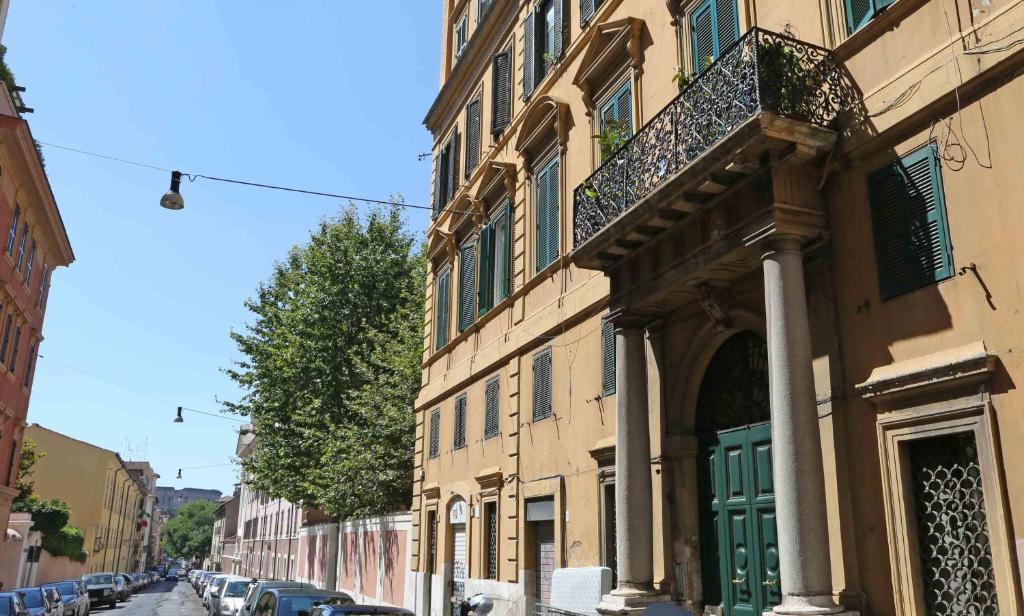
(172, 499)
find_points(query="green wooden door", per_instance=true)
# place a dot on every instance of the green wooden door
(739, 544)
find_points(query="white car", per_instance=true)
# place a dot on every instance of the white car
(229, 597)
(213, 587)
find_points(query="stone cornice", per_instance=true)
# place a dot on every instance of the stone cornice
(611, 42)
(960, 367)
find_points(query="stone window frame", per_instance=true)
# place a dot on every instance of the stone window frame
(931, 397)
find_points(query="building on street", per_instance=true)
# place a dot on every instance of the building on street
(146, 478)
(225, 526)
(35, 243)
(102, 493)
(721, 307)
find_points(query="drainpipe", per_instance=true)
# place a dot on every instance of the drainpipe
(110, 512)
(120, 526)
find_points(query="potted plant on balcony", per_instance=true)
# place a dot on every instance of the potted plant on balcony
(788, 87)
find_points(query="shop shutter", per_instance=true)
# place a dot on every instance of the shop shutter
(607, 358)
(491, 408)
(542, 385)
(472, 136)
(501, 101)
(467, 285)
(908, 213)
(460, 423)
(529, 56)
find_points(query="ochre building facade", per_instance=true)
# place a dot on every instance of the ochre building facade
(724, 296)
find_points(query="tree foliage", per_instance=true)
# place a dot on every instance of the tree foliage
(332, 365)
(30, 455)
(189, 533)
(50, 518)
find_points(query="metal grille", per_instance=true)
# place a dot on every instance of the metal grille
(952, 530)
(491, 516)
(734, 391)
(435, 432)
(762, 71)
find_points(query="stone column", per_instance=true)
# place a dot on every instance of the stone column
(633, 500)
(796, 446)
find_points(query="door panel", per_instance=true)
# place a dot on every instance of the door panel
(770, 591)
(739, 597)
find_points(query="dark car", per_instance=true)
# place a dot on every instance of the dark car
(296, 601)
(11, 604)
(75, 603)
(102, 588)
(258, 587)
(334, 609)
(172, 575)
(38, 602)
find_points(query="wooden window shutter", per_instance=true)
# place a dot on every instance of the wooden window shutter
(491, 408)
(559, 29)
(727, 22)
(501, 99)
(541, 215)
(441, 320)
(435, 433)
(607, 358)
(472, 136)
(554, 219)
(453, 166)
(702, 34)
(506, 280)
(908, 213)
(439, 173)
(467, 285)
(460, 423)
(587, 9)
(485, 288)
(542, 385)
(624, 105)
(529, 55)
(858, 14)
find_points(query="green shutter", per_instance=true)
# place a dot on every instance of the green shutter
(467, 285)
(908, 213)
(727, 25)
(559, 26)
(501, 91)
(607, 358)
(485, 288)
(506, 258)
(542, 385)
(858, 14)
(587, 10)
(541, 219)
(702, 34)
(529, 55)
(441, 320)
(491, 401)
(554, 219)
(472, 136)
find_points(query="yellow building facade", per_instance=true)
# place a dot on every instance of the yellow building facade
(724, 297)
(103, 496)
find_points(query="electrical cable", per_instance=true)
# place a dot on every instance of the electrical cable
(316, 193)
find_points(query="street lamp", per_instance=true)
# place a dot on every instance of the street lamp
(179, 473)
(179, 418)
(172, 199)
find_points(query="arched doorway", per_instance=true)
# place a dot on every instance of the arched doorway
(739, 547)
(457, 515)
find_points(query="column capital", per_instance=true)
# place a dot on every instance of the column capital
(782, 243)
(625, 319)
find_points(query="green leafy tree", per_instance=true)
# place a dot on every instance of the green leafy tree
(50, 518)
(332, 365)
(30, 455)
(189, 532)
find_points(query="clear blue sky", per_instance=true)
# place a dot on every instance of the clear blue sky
(327, 95)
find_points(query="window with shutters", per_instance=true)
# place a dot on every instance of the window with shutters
(13, 233)
(491, 400)
(31, 262)
(21, 246)
(607, 358)
(542, 43)
(860, 12)
(13, 364)
(459, 438)
(908, 213)
(442, 306)
(714, 26)
(446, 176)
(29, 365)
(542, 385)
(8, 323)
(495, 259)
(461, 34)
(481, 9)
(435, 433)
(588, 8)
(467, 285)
(547, 190)
(501, 91)
(616, 118)
(472, 136)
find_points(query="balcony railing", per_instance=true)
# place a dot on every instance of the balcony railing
(762, 71)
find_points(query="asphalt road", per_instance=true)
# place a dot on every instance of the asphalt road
(160, 599)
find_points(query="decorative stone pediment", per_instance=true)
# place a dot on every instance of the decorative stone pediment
(961, 367)
(603, 452)
(613, 45)
(547, 120)
(489, 478)
(498, 179)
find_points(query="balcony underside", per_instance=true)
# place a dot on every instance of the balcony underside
(765, 140)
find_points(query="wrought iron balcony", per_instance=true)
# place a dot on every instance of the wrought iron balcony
(763, 73)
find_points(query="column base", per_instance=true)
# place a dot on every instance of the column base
(628, 602)
(810, 606)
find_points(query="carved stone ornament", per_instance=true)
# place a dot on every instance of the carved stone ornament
(713, 300)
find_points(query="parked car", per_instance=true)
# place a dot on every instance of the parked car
(228, 598)
(121, 587)
(75, 603)
(172, 575)
(204, 581)
(102, 588)
(11, 604)
(296, 601)
(257, 588)
(211, 587)
(336, 609)
(56, 601)
(38, 602)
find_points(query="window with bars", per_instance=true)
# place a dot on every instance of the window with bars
(495, 259)
(13, 233)
(501, 91)
(435, 433)
(607, 358)
(542, 385)
(491, 401)
(472, 136)
(714, 26)
(467, 285)
(459, 440)
(491, 534)
(547, 189)
(442, 306)
(908, 213)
